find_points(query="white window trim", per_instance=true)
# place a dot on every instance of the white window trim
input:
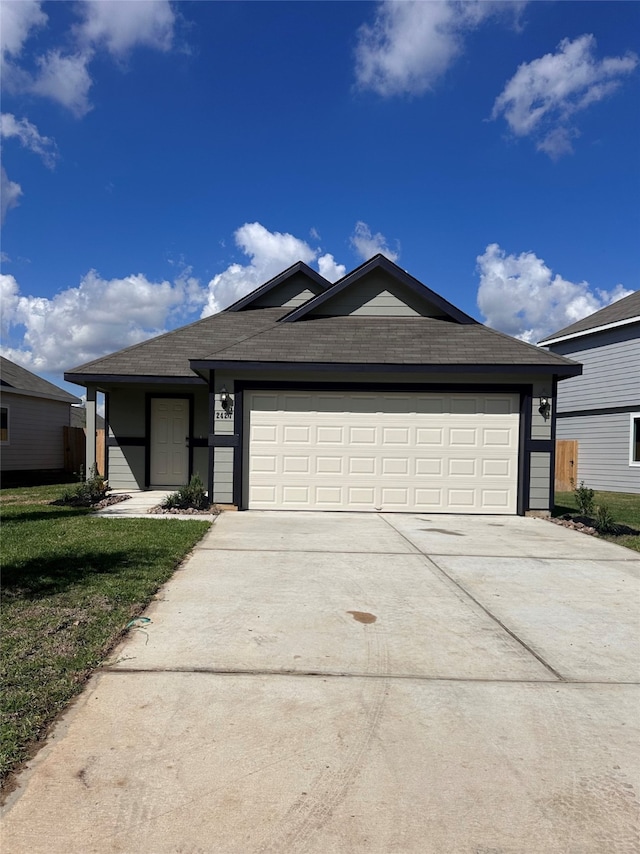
(632, 418)
(7, 441)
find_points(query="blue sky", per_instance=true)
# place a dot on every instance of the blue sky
(161, 159)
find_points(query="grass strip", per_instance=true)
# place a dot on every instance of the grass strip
(70, 584)
(624, 506)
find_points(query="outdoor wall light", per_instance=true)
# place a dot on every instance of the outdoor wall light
(225, 400)
(545, 407)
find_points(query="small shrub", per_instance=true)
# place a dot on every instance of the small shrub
(584, 499)
(87, 492)
(192, 495)
(605, 523)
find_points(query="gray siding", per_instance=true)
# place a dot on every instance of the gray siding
(36, 437)
(611, 370)
(603, 451)
(292, 293)
(539, 484)
(127, 420)
(378, 295)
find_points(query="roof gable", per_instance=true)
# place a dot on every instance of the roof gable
(618, 313)
(379, 288)
(289, 289)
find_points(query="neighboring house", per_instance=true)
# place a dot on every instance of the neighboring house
(601, 409)
(373, 393)
(33, 413)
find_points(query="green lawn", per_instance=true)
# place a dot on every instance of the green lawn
(70, 584)
(624, 507)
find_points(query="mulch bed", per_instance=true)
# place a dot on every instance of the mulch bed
(99, 505)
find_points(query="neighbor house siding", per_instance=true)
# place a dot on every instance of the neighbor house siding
(36, 436)
(603, 451)
(611, 370)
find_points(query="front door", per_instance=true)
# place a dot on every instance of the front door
(169, 462)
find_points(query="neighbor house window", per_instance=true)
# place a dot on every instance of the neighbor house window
(4, 423)
(634, 440)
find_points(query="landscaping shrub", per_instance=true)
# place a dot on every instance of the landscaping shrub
(87, 492)
(605, 522)
(192, 495)
(584, 499)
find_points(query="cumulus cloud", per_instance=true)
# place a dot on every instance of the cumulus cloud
(29, 136)
(63, 75)
(122, 26)
(270, 254)
(97, 317)
(64, 79)
(544, 95)
(367, 245)
(330, 269)
(100, 315)
(521, 296)
(412, 43)
(10, 193)
(17, 20)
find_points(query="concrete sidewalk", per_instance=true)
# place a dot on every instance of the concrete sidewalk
(140, 502)
(359, 682)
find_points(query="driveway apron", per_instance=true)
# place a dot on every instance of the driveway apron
(319, 682)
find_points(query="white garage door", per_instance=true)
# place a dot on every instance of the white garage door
(383, 451)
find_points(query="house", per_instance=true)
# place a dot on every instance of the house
(374, 393)
(33, 413)
(601, 409)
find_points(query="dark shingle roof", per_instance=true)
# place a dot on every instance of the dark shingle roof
(256, 336)
(16, 377)
(623, 309)
(168, 355)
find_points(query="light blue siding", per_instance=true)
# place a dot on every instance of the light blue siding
(610, 374)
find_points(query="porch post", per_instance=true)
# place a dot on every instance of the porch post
(212, 415)
(90, 429)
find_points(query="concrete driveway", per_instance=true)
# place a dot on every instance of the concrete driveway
(359, 683)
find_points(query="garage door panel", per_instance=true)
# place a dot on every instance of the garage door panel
(416, 453)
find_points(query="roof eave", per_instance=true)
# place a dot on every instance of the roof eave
(557, 339)
(561, 371)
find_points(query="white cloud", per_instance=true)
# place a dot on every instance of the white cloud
(122, 26)
(543, 95)
(521, 296)
(367, 245)
(10, 193)
(64, 76)
(270, 254)
(29, 136)
(412, 43)
(17, 19)
(330, 269)
(97, 317)
(64, 79)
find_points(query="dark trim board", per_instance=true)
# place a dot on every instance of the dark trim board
(525, 443)
(554, 418)
(211, 420)
(126, 441)
(149, 396)
(367, 368)
(610, 410)
(138, 379)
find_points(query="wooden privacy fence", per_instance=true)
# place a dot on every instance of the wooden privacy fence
(566, 465)
(75, 450)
